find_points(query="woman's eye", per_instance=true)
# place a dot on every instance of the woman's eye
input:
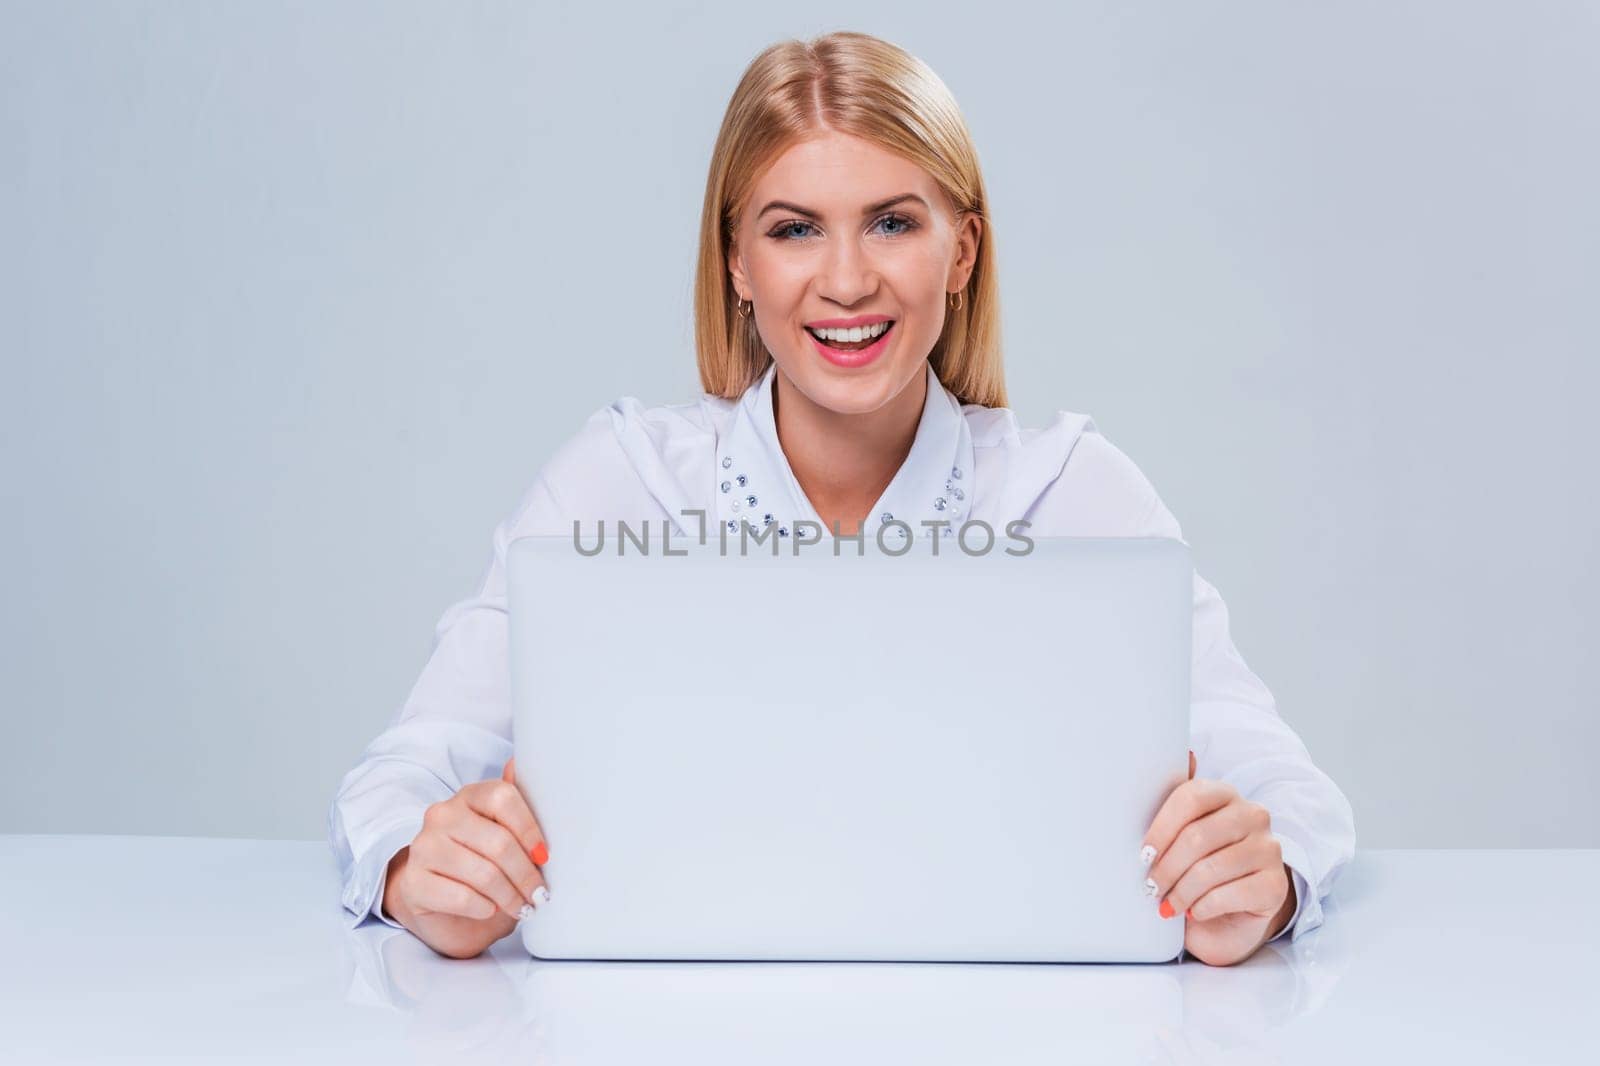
(900, 223)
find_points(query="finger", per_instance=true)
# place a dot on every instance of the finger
(458, 862)
(1225, 864)
(1191, 766)
(494, 842)
(509, 774)
(1210, 832)
(502, 801)
(1190, 800)
(1260, 894)
(435, 893)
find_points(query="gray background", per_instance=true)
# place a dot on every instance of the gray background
(296, 298)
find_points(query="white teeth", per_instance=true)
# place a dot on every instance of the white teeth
(848, 336)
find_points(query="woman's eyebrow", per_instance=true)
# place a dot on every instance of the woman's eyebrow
(869, 209)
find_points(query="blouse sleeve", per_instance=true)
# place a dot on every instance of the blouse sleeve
(1240, 738)
(453, 729)
(455, 726)
(1236, 732)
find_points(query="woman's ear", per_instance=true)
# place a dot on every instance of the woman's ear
(968, 236)
(736, 272)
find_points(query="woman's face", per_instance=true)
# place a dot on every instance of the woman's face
(817, 242)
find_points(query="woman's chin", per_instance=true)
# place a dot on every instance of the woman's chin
(853, 391)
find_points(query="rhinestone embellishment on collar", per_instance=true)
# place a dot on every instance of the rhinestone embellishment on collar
(941, 504)
(749, 500)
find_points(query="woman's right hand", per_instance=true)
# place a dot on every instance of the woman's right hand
(462, 883)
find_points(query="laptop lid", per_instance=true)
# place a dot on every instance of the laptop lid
(803, 755)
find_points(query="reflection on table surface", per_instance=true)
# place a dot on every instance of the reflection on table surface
(138, 946)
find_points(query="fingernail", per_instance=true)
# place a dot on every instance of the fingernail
(540, 854)
(1150, 888)
(540, 896)
(1147, 855)
(525, 913)
(1166, 909)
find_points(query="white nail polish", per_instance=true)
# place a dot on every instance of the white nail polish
(1147, 855)
(541, 896)
(525, 913)
(1150, 888)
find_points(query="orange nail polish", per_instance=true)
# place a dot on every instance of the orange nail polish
(1189, 914)
(1166, 909)
(541, 854)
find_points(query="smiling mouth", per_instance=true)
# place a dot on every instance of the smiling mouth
(853, 346)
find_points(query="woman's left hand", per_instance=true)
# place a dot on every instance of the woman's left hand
(1216, 860)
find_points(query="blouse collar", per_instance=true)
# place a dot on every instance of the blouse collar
(756, 484)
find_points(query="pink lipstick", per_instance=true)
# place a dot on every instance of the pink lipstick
(849, 359)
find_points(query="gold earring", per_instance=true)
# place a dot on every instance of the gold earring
(955, 301)
(739, 307)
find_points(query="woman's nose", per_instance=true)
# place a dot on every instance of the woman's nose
(847, 274)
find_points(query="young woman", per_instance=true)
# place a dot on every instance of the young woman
(847, 327)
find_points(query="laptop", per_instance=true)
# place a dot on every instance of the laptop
(824, 751)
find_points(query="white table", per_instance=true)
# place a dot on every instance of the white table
(160, 948)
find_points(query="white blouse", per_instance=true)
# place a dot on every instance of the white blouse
(722, 457)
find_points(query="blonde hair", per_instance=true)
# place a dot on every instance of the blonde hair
(859, 85)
